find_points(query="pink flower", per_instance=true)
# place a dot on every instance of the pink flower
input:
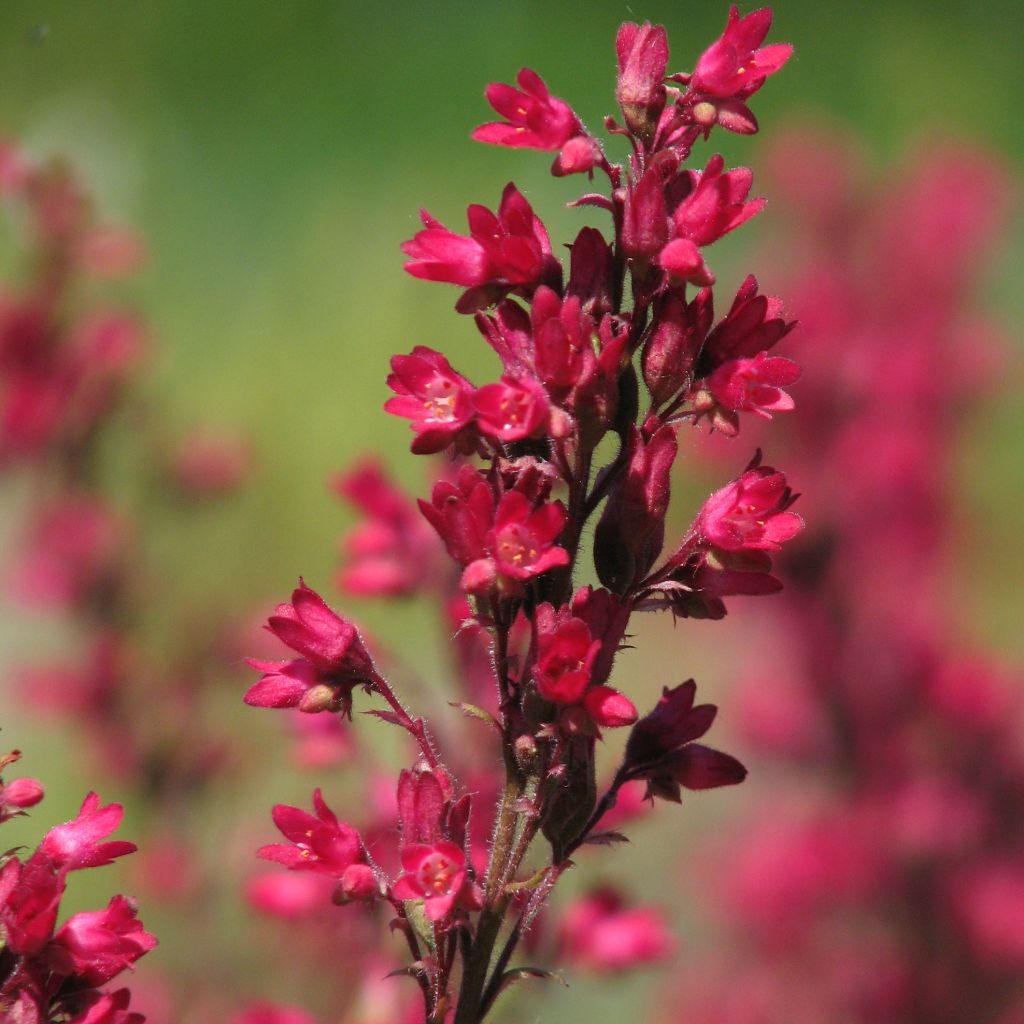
(110, 1008)
(437, 400)
(334, 660)
(522, 541)
(436, 874)
(717, 205)
(272, 1013)
(18, 794)
(30, 895)
(566, 655)
(599, 933)
(750, 514)
(317, 843)
(75, 844)
(534, 119)
(513, 410)
(642, 51)
(754, 323)
(510, 249)
(733, 65)
(754, 385)
(393, 552)
(462, 513)
(100, 944)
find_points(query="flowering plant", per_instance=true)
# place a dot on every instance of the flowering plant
(619, 354)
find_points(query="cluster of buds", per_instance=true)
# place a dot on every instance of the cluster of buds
(896, 893)
(50, 974)
(617, 353)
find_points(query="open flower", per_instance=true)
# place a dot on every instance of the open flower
(436, 874)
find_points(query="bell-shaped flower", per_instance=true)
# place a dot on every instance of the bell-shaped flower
(437, 400)
(97, 945)
(76, 844)
(750, 513)
(642, 51)
(534, 119)
(437, 875)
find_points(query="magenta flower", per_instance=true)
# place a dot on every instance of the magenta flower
(736, 65)
(599, 933)
(534, 119)
(462, 513)
(30, 895)
(717, 205)
(100, 944)
(393, 552)
(334, 660)
(317, 843)
(18, 794)
(643, 57)
(507, 250)
(522, 541)
(110, 1008)
(437, 400)
(436, 874)
(754, 385)
(754, 324)
(75, 844)
(750, 514)
(566, 657)
(513, 410)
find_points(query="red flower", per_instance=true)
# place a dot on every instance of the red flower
(437, 874)
(534, 119)
(75, 844)
(18, 794)
(438, 400)
(599, 933)
(566, 655)
(100, 944)
(522, 541)
(513, 410)
(334, 660)
(643, 57)
(30, 896)
(754, 385)
(753, 324)
(733, 66)
(317, 843)
(750, 513)
(510, 249)
(110, 1008)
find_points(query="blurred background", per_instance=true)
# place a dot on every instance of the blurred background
(273, 157)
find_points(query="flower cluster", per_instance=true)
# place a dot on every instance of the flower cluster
(619, 350)
(50, 974)
(896, 893)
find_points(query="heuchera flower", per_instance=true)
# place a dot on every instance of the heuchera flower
(393, 552)
(754, 324)
(566, 653)
(75, 844)
(642, 51)
(322, 844)
(750, 513)
(736, 65)
(512, 410)
(522, 541)
(30, 895)
(716, 205)
(18, 794)
(754, 385)
(534, 119)
(110, 1008)
(437, 400)
(507, 250)
(334, 660)
(599, 933)
(436, 874)
(100, 944)
(661, 750)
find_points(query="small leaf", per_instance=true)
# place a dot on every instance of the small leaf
(606, 839)
(509, 978)
(387, 716)
(472, 711)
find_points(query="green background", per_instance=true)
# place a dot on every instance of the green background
(273, 156)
